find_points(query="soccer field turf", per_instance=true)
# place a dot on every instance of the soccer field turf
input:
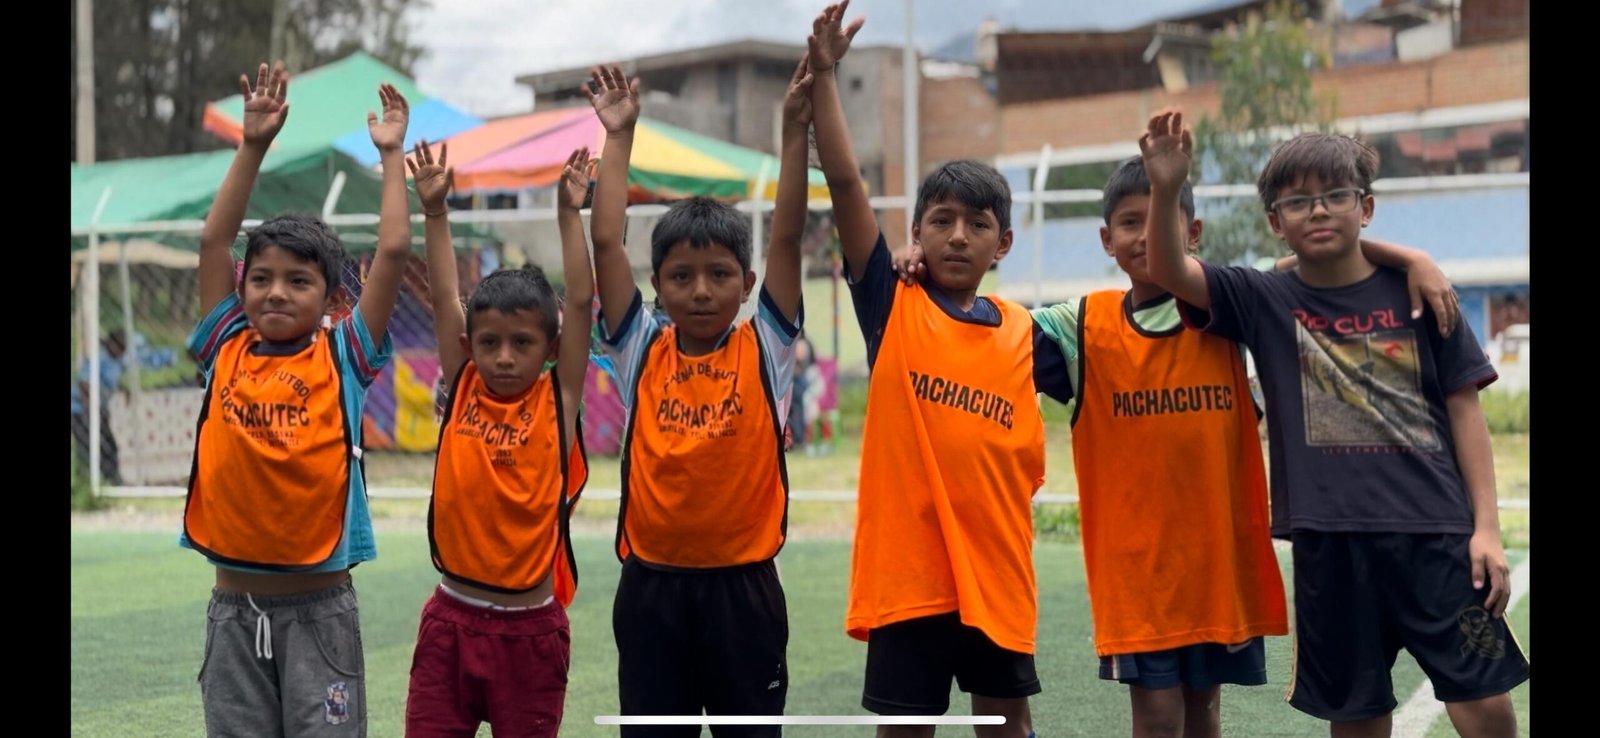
(138, 612)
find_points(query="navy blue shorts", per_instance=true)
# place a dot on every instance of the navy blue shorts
(1200, 666)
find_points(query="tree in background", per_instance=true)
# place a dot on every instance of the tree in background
(1265, 69)
(158, 62)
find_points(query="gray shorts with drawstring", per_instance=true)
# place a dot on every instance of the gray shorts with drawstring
(284, 666)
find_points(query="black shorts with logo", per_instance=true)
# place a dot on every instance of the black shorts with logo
(1361, 597)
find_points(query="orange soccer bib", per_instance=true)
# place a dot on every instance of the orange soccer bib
(271, 479)
(503, 488)
(1173, 494)
(951, 455)
(704, 483)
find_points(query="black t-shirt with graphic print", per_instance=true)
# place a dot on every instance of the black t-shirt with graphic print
(1355, 389)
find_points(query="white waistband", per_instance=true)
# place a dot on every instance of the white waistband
(487, 605)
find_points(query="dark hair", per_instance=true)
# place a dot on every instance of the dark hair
(510, 290)
(1129, 180)
(973, 184)
(1339, 161)
(307, 238)
(701, 222)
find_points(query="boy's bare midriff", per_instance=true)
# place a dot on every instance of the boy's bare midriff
(536, 596)
(230, 580)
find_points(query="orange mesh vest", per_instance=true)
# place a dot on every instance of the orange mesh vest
(704, 483)
(951, 456)
(271, 477)
(503, 488)
(1173, 494)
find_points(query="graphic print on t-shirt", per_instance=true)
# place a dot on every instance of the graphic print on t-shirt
(1364, 389)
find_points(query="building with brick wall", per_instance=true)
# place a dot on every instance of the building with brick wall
(1451, 128)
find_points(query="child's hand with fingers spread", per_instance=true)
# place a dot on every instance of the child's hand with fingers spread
(265, 109)
(615, 100)
(389, 132)
(1167, 148)
(575, 178)
(434, 179)
(830, 39)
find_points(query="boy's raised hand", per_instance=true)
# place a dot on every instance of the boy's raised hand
(1168, 149)
(389, 132)
(575, 179)
(615, 100)
(434, 179)
(265, 109)
(830, 39)
(797, 103)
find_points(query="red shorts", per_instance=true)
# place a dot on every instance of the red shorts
(474, 665)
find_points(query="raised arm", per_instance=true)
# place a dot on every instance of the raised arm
(616, 102)
(858, 225)
(1168, 148)
(265, 111)
(434, 180)
(572, 362)
(382, 288)
(789, 213)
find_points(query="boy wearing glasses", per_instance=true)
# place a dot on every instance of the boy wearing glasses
(1382, 475)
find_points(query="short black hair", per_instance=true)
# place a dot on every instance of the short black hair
(1339, 161)
(1130, 179)
(304, 236)
(973, 184)
(701, 222)
(510, 290)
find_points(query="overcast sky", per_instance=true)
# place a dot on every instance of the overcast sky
(477, 47)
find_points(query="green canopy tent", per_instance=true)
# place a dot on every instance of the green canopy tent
(182, 188)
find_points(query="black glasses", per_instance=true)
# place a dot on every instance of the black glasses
(1335, 202)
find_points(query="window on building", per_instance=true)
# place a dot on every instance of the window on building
(1482, 148)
